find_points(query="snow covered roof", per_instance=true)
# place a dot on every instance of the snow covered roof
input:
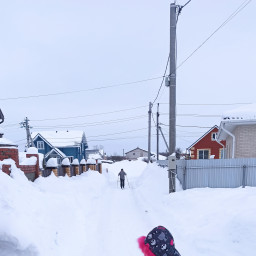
(136, 149)
(60, 138)
(95, 156)
(247, 112)
(245, 115)
(6, 142)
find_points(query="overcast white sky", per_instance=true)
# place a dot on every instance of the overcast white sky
(54, 46)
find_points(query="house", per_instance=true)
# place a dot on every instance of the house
(136, 153)
(238, 128)
(207, 147)
(61, 144)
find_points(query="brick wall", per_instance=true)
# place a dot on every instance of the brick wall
(6, 168)
(6, 153)
(245, 141)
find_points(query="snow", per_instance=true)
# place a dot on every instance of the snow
(247, 112)
(91, 161)
(32, 150)
(94, 156)
(83, 161)
(52, 162)
(4, 141)
(61, 138)
(29, 161)
(65, 161)
(75, 162)
(90, 215)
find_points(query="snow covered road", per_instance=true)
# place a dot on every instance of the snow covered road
(90, 215)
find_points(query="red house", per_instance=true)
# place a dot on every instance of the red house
(207, 147)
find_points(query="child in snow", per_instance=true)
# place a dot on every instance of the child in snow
(159, 242)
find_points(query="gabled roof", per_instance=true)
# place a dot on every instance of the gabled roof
(135, 149)
(215, 126)
(61, 138)
(57, 151)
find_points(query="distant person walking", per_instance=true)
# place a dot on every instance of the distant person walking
(122, 178)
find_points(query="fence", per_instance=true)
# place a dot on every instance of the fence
(216, 173)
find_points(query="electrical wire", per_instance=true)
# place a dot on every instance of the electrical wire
(239, 9)
(78, 91)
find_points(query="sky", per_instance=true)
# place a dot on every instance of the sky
(88, 59)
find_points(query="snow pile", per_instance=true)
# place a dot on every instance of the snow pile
(75, 162)
(95, 156)
(66, 215)
(83, 161)
(247, 112)
(32, 150)
(65, 162)
(29, 161)
(52, 162)
(91, 161)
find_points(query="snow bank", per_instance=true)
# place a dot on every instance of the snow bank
(64, 216)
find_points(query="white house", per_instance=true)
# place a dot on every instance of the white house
(238, 128)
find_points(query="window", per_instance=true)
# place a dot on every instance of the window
(40, 145)
(214, 135)
(203, 154)
(134, 154)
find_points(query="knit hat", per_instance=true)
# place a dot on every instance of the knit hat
(159, 242)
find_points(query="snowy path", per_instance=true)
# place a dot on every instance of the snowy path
(121, 222)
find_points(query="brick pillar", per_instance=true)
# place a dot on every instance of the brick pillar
(6, 169)
(37, 163)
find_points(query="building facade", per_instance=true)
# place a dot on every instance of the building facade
(206, 147)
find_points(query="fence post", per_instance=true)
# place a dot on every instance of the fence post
(244, 172)
(184, 178)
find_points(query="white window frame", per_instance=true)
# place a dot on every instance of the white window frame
(214, 134)
(39, 144)
(209, 153)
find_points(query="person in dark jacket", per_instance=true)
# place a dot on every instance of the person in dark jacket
(158, 242)
(122, 178)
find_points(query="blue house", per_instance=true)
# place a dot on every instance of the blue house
(61, 144)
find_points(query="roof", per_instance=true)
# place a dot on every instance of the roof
(60, 138)
(215, 126)
(135, 149)
(230, 126)
(247, 112)
(245, 115)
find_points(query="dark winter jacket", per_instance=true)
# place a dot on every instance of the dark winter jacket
(122, 174)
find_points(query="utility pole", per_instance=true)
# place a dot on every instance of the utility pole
(25, 124)
(149, 131)
(157, 132)
(172, 79)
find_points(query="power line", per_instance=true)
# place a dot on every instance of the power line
(207, 104)
(239, 9)
(92, 124)
(77, 91)
(162, 79)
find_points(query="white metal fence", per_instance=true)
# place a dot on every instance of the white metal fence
(216, 173)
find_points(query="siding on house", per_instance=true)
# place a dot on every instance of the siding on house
(245, 136)
(136, 153)
(207, 143)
